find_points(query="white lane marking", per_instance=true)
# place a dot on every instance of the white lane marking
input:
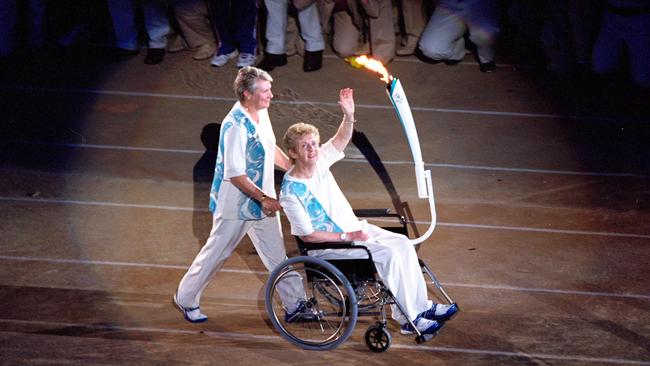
(448, 224)
(293, 102)
(117, 263)
(347, 160)
(496, 168)
(249, 272)
(532, 356)
(278, 339)
(526, 229)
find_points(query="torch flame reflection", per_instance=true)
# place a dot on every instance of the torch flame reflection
(371, 64)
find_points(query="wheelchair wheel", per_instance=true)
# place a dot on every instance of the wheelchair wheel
(377, 337)
(331, 306)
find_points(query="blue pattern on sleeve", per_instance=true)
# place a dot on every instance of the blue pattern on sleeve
(320, 220)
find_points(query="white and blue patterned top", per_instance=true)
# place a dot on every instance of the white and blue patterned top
(243, 147)
(317, 203)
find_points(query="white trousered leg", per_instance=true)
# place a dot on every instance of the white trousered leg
(224, 238)
(276, 27)
(398, 267)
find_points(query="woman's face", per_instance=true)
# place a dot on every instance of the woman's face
(305, 152)
(261, 98)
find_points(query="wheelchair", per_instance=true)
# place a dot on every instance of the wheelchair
(338, 291)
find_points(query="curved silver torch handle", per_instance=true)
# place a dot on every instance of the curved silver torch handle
(432, 208)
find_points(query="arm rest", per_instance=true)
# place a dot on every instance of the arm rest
(373, 212)
(384, 212)
(305, 248)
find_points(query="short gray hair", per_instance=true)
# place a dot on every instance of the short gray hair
(246, 78)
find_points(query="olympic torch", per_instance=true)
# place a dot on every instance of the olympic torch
(400, 103)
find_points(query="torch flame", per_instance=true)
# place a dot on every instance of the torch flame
(371, 64)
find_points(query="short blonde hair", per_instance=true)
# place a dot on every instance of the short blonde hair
(295, 132)
(246, 78)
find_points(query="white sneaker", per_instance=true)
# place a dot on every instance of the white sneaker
(424, 325)
(192, 315)
(220, 60)
(246, 59)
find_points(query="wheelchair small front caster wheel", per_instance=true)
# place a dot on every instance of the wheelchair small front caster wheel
(378, 339)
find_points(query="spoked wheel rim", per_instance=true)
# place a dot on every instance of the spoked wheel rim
(330, 303)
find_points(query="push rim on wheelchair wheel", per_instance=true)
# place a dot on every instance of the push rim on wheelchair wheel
(330, 311)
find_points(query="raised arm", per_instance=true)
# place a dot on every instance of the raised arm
(344, 133)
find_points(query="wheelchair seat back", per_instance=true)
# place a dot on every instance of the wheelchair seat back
(354, 269)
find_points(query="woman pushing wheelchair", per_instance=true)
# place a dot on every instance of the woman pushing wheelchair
(319, 212)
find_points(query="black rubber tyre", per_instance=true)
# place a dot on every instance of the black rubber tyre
(378, 339)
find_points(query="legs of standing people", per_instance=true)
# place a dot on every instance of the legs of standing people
(123, 16)
(555, 37)
(193, 20)
(382, 33)
(482, 19)
(568, 34)
(637, 37)
(621, 33)
(345, 38)
(221, 16)
(36, 23)
(312, 33)
(235, 23)
(310, 28)
(414, 21)
(81, 19)
(583, 15)
(609, 46)
(276, 28)
(8, 15)
(246, 26)
(8, 19)
(156, 23)
(442, 38)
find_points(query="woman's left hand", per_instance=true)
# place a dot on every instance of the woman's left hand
(346, 101)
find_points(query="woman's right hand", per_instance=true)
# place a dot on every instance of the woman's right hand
(358, 235)
(270, 206)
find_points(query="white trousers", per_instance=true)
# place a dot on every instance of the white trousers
(276, 27)
(442, 38)
(397, 265)
(266, 236)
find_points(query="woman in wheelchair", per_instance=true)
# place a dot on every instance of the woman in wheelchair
(319, 212)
